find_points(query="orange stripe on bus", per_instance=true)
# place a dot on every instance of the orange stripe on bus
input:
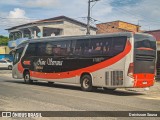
(20, 67)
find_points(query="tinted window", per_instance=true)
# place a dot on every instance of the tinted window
(56, 48)
(118, 45)
(81, 47)
(100, 46)
(31, 50)
(17, 55)
(143, 41)
(107, 46)
(62, 48)
(41, 47)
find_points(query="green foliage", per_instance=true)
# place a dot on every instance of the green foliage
(3, 40)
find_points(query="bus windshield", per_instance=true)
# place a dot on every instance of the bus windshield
(17, 55)
(144, 42)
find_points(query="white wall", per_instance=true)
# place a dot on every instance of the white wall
(158, 46)
(73, 29)
(69, 29)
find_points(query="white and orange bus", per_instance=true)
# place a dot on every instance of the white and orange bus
(117, 60)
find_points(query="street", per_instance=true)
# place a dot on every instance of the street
(17, 96)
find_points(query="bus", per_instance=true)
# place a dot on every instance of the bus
(109, 61)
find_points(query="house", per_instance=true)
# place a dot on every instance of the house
(4, 53)
(117, 26)
(57, 26)
(156, 34)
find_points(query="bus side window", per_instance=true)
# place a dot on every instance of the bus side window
(57, 50)
(118, 45)
(62, 48)
(31, 50)
(97, 46)
(81, 47)
(49, 49)
(106, 47)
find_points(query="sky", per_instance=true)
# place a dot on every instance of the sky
(141, 12)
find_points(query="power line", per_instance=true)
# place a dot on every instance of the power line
(136, 15)
(88, 17)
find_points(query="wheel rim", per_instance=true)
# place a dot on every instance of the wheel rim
(86, 83)
(26, 77)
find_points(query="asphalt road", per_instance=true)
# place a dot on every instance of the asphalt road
(17, 96)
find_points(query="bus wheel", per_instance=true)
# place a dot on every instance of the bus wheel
(86, 83)
(27, 77)
(108, 89)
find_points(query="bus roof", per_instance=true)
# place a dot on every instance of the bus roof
(128, 34)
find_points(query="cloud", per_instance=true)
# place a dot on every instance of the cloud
(17, 17)
(17, 13)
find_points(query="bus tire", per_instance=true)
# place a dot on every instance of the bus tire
(86, 83)
(109, 89)
(27, 79)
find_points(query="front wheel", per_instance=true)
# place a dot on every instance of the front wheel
(86, 83)
(27, 78)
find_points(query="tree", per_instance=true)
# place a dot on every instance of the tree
(3, 40)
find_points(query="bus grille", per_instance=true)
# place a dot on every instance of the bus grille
(116, 78)
(107, 78)
(145, 57)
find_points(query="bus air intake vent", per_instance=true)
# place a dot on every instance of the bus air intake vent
(145, 57)
(107, 78)
(116, 78)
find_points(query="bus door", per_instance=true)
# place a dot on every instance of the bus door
(17, 56)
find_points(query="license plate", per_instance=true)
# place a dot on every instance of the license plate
(145, 83)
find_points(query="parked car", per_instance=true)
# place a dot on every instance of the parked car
(6, 64)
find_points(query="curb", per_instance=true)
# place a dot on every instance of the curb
(6, 75)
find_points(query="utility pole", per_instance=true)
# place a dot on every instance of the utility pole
(88, 17)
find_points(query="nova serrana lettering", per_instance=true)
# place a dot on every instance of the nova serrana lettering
(49, 61)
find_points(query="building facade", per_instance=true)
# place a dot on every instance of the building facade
(117, 26)
(156, 34)
(57, 26)
(4, 53)
(4, 50)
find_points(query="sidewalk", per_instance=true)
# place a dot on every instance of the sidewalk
(5, 71)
